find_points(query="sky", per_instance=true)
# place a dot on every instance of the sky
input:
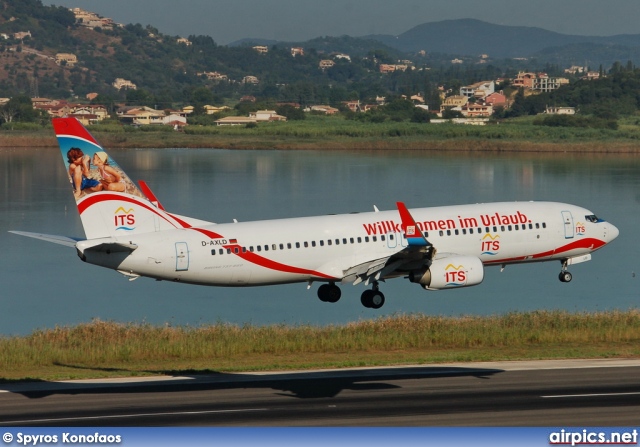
(299, 20)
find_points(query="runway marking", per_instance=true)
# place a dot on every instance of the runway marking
(122, 416)
(591, 395)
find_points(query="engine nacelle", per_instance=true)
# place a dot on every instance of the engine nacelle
(450, 272)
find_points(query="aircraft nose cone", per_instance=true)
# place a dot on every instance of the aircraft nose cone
(612, 232)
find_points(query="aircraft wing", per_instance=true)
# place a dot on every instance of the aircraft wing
(417, 253)
(62, 240)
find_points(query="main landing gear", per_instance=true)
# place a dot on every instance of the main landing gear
(329, 293)
(371, 298)
(565, 276)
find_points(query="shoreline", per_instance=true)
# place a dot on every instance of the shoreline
(163, 140)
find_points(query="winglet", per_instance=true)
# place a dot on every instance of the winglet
(412, 232)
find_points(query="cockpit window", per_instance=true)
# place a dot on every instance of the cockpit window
(592, 218)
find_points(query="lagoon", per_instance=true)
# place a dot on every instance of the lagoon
(46, 285)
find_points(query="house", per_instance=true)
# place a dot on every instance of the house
(496, 99)
(68, 59)
(453, 102)
(472, 110)
(183, 41)
(261, 49)
(544, 83)
(235, 121)
(210, 110)
(478, 90)
(21, 35)
(354, 106)
(250, 80)
(524, 80)
(141, 116)
(343, 56)
(327, 110)
(214, 76)
(560, 110)
(297, 51)
(266, 115)
(121, 83)
(326, 63)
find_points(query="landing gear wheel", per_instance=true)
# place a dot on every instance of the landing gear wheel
(373, 299)
(329, 293)
(377, 300)
(365, 298)
(565, 276)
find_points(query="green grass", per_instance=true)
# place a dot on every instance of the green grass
(107, 349)
(320, 132)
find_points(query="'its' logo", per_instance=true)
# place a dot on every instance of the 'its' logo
(124, 219)
(490, 244)
(455, 276)
(411, 230)
(580, 229)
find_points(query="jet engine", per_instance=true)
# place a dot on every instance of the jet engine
(450, 272)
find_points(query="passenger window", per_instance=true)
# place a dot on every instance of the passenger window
(537, 226)
(337, 241)
(221, 251)
(289, 245)
(281, 246)
(329, 242)
(297, 244)
(448, 232)
(457, 232)
(244, 249)
(391, 237)
(306, 244)
(366, 238)
(266, 248)
(259, 248)
(251, 249)
(544, 225)
(228, 251)
(274, 247)
(509, 227)
(236, 250)
(441, 233)
(313, 243)
(344, 240)
(351, 240)
(359, 240)
(382, 237)
(213, 252)
(502, 228)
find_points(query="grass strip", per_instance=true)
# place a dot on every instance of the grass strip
(110, 349)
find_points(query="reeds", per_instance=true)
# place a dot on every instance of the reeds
(109, 348)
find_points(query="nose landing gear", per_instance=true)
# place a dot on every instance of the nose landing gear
(565, 276)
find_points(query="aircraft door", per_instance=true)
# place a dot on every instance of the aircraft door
(182, 257)
(568, 224)
(392, 240)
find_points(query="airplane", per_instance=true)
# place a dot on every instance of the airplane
(128, 230)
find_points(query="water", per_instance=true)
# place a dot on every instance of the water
(44, 285)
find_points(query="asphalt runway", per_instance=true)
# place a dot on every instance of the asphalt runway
(531, 393)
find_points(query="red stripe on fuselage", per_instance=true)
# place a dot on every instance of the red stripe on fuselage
(99, 198)
(591, 244)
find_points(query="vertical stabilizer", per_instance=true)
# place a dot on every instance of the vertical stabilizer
(109, 203)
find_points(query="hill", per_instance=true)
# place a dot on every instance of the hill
(473, 37)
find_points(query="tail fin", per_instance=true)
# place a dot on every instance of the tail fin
(109, 203)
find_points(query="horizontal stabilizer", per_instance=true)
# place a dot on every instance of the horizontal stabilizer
(62, 240)
(111, 247)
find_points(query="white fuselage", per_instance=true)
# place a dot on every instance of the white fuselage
(323, 248)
